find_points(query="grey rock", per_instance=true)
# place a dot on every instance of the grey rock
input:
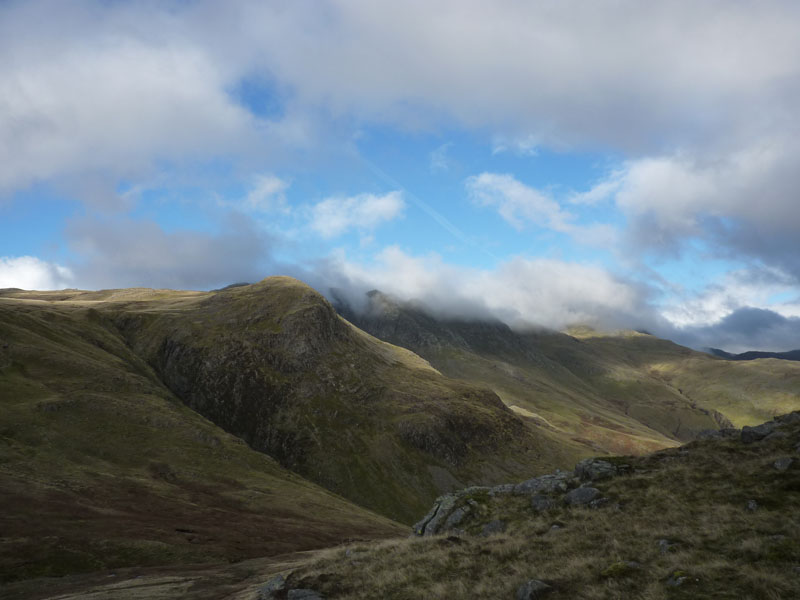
(493, 528)
(455, 518)
(532, 589)
(709, 434)
(730, 432)
(501, 490)
(757, 433)
(599, 503)
(546, 484)
(272, 589)
(792, 417)
(782, 464)
(540, 503)
(776, 435)
(581, 496)
(594, 469)
(304, 594)
(431, 523)
(751, 506)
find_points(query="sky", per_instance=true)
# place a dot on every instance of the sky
(616, 163)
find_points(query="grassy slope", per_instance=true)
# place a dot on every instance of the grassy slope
(274, 364)
(619, 393)
(99, 373)
(101, 466)
(694, 497)
(746, 392)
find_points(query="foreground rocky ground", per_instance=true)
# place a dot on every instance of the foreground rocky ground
(716, 518)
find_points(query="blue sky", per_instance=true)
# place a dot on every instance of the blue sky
(620, 164)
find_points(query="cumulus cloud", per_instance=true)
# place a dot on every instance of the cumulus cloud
(31, 273)
(334, 216)
(736, 289)
(522, 205)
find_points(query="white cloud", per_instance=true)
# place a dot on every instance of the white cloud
(520, 291)
(267, 194)
(521, 205)
(734, 290)
(334, 216)
(31, 273)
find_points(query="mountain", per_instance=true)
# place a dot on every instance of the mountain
(625, 392)
(155, 426)
(754, 354)
(102, 466)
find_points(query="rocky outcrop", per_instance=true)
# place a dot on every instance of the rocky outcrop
(451, 512)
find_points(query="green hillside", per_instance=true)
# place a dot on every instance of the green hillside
(624, 392)
(102, 467)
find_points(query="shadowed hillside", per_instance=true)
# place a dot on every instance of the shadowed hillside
(625, 392)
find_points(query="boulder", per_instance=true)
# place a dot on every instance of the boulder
(546, 484)
(581, 496)
(782, 464)
(751, 506)
(431, 523)
(757, 433)
(594, 469)
(792, 417)
(532, 589)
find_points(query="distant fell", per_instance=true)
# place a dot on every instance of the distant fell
(756, 354)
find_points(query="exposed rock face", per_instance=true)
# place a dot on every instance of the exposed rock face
(451, 511)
